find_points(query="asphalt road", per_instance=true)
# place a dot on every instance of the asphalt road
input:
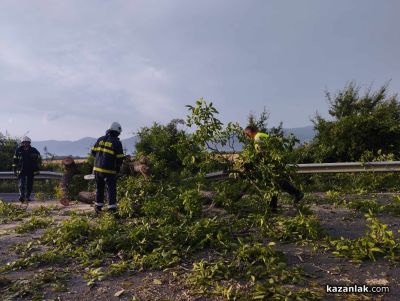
(9, 197)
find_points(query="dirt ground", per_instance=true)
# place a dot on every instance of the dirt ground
(323, 267)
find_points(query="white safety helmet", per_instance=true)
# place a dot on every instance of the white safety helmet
(26, 139)
(115, 126)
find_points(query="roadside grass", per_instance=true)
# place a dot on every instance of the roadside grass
(33, 224)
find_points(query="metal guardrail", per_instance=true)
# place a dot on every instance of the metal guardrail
(311, 168)
(343, 167)
(9, 175)
(348, 167)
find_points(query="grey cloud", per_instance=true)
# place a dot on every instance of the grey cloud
(142, 61)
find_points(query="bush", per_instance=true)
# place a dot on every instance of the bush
(370, 122)
(167, 147)
(8, 146)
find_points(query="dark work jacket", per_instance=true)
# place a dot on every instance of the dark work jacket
(108, 154)
(26, 162)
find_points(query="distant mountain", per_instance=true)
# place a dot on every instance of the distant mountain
(81, 147)
(78, 148)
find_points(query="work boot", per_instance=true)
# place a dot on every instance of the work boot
(299, 196)
(113, 211)
(21, 199)
(97, 210)
(273, 204)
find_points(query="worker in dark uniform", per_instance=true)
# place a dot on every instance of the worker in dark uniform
(284, 184)
(108, 154)
(26, 166)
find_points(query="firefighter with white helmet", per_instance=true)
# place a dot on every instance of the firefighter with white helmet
(108, 154)
(25, 166)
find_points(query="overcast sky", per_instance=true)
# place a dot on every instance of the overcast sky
(70, 68)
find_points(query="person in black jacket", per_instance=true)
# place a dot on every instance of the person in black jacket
(26, 166)
(108, 156)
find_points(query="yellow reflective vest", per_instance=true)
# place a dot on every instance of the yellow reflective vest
(258, 137)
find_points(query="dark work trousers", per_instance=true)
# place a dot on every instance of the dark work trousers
(110, 180)
(288, 187)
(25, 183)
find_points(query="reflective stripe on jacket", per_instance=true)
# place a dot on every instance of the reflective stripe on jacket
(108, 154)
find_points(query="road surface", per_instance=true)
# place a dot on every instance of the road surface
(9, 197)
